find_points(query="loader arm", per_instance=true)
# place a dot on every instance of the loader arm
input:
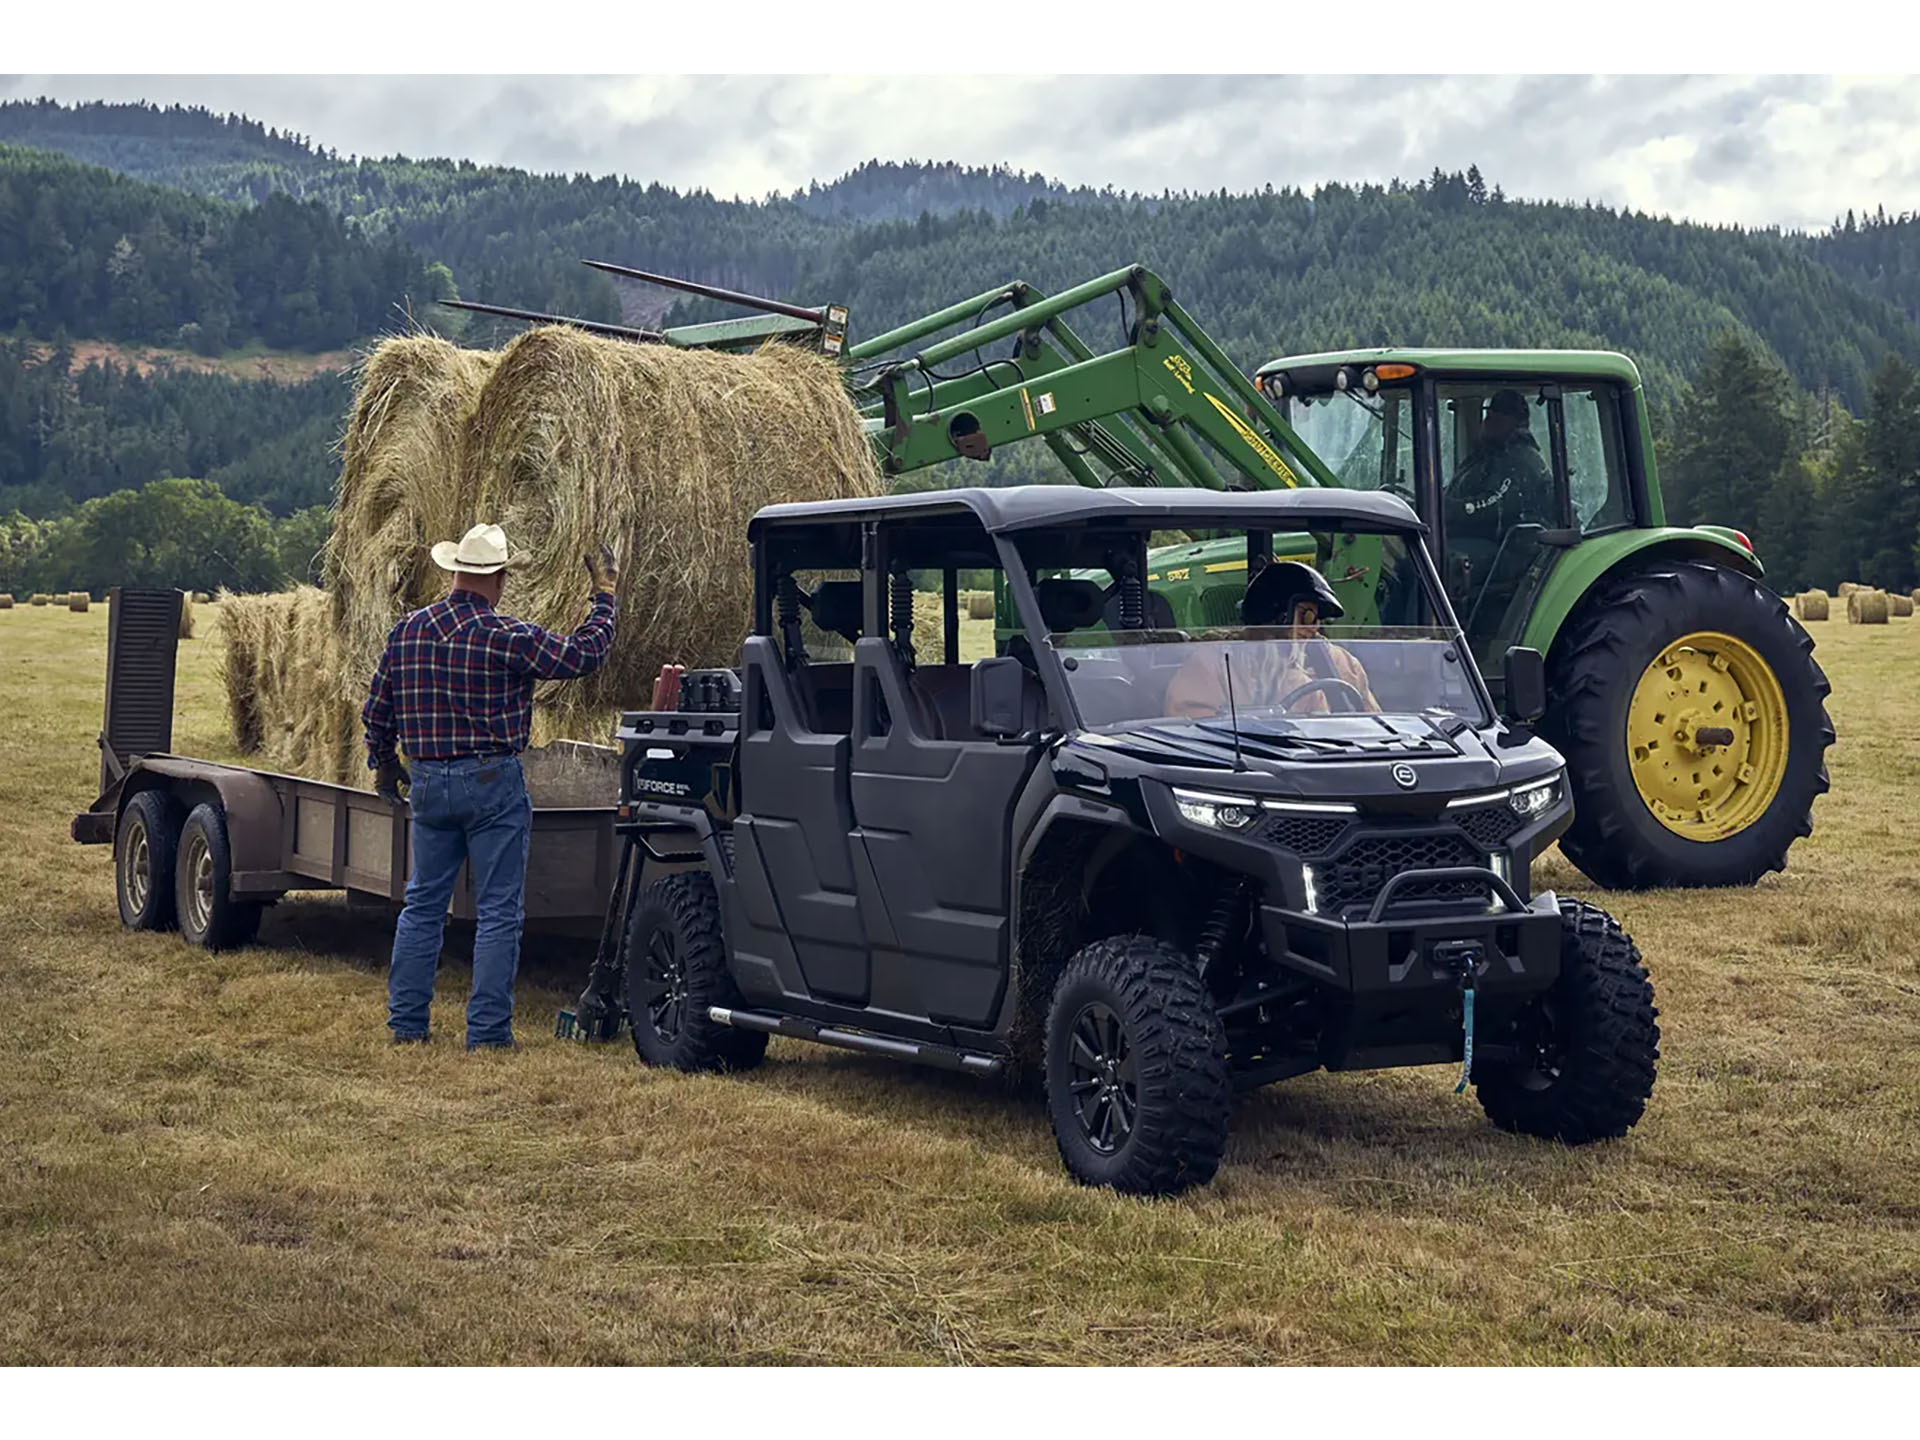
(1166, 408)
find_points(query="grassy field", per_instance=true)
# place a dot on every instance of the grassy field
(218, 1157)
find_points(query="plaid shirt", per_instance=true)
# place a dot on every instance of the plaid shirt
(457, 678)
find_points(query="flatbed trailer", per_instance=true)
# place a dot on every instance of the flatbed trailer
(205, 845)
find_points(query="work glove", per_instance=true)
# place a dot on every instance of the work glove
(392, 780)
(604, 569)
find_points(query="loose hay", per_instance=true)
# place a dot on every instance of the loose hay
(1811, 606)
(1902, 605)
(282, 665)
(1867, 607)
(666, 454)
(78, 601)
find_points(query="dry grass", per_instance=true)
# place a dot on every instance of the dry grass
(217, 1158)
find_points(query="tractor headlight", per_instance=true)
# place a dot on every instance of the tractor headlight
(1216, 812)
(1534, 800)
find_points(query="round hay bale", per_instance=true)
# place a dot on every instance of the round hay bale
(41, 600)
(1901, 605)
(1810, 606)
(186, 614)
(1867, 607)
(201, 597)
(1847, 587)
(666, 454)
(404, 484)
(980, 605)
(6, 602)
(78, 601)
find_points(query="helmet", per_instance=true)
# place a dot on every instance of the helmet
(1272, 594)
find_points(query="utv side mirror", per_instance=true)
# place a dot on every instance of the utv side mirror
(999, 687)
(1526, 685)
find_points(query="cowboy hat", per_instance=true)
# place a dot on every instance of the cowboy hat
(481, 551)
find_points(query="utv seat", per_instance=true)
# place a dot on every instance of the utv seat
(943, 702)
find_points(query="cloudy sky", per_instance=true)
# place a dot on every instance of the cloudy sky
(1789, 151)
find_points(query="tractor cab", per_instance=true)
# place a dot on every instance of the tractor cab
(1511, 457)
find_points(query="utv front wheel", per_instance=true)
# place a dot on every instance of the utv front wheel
(1692, 715)
(677, 973)
(1587, 1049)
(1136, 1065)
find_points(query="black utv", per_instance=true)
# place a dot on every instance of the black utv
(1154, 863)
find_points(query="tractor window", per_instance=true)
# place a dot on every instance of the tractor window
(1367, 443)
(1596, 468)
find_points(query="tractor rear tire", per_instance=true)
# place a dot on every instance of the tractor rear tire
(1608, 655)
(1593, 1041)
(1136, 1069)
(676, 963)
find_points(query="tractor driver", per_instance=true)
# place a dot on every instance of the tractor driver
(1505, 481)
(1296, 670)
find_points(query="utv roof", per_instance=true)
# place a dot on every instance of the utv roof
(1315, 372)
(1033, 507)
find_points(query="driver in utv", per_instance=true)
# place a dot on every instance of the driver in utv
(1302, 673)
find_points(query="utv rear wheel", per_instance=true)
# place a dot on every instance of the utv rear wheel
(1136, 1065)
(1589, 1046)
(677, 974)
(1692, 715)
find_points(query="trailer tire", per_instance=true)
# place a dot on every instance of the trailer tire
(1595, 1036)
(203, 885)
(1130, 1019)
(144, 843)
(676, 973)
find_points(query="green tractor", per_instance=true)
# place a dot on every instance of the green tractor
(1683, 694)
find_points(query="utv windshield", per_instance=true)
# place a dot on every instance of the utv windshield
(1272, 678)
(1168, 628)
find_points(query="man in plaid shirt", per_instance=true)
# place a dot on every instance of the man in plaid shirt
(455, 691)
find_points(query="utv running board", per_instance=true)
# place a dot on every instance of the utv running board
(943, 1057)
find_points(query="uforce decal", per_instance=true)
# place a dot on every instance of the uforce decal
(661, 787)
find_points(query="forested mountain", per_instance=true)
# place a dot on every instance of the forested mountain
(97, 254)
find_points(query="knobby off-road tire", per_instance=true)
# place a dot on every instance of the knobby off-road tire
(1593, 1038)
(1136, 1069)
(676, 964)
(203, 879)
(143, 853)
(1614, 638)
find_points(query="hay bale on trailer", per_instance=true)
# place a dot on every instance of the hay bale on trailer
(1901, 605)
(288, 700)
(78, 601)
(404, 483)
(1867, 607)
(667, 454)
(1812, 605)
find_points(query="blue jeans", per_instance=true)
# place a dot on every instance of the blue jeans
(478, 809)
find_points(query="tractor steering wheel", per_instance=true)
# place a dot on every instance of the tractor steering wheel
(1356, 702)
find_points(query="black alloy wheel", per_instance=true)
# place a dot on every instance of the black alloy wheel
(1105, 1083)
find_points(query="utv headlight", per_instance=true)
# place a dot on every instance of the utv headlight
(1533, 800)
(1216, 812)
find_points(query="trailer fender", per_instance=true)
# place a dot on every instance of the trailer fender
(248, 800)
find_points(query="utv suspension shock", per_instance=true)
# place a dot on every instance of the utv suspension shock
(1222, 925)
(787, 597)
(902, 595)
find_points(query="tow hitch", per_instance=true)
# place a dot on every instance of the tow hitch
(1464, 959)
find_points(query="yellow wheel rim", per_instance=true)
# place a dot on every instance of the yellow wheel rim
(1699, 691)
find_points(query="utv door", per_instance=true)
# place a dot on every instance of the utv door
(931, 817)
(797, 930)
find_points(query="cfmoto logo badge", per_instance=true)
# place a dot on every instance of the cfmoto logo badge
(1405, 776)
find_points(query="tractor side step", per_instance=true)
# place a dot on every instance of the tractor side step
(942, 1057)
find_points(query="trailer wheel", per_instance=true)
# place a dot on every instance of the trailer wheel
(203, 882)
(143, 853)
(1136, 1060)
(676, 961)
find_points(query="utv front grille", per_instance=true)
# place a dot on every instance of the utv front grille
(1305, 834)
(1347, 884)
(1489, 825)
